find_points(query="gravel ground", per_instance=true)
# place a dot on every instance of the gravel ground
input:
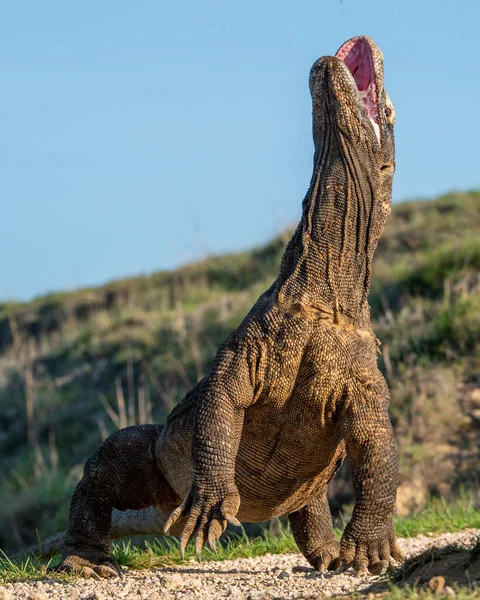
(283, 576)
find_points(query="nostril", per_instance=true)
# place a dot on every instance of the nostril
(386, 167)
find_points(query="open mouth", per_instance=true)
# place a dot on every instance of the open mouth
(357, 55)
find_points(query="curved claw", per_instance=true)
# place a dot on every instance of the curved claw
(180, 511)
(379, 568)
(216, 528)
(397, 553)
(183, 545)
(201, 530)
(370, 553)
(89, 573)
(207, 518)
(335, 564)
(213, 545)
(105, 571)
(342, 567)
(199, 545)
(360, 569)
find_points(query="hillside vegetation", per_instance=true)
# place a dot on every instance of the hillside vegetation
(76, 366)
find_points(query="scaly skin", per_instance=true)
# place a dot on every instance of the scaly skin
(292, 392)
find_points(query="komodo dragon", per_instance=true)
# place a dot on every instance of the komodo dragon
(294, 390)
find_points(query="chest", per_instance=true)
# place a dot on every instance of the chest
(312, 373)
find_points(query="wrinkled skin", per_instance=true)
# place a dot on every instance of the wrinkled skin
(293, 390)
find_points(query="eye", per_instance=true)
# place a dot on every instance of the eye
(388, 110)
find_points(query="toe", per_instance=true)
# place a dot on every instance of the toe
(89, 573)
(335, 564)
(379, 567)
(105, 571)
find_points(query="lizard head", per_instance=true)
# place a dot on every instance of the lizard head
(352, 109)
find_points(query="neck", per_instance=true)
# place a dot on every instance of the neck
(327, 263)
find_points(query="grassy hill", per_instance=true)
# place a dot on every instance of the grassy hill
(76, 366)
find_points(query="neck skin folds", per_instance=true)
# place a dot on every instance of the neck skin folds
(327, 263)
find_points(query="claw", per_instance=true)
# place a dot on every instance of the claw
(105, 571)
(172, 519)
(342, 568)
(177, 513)
(234, 521)
(335, 564)
(379, 568)
(215, 530)
(89, 573)
(361, 571)
(183, 545)
(397, 553)
(213, 545)
(199, 546)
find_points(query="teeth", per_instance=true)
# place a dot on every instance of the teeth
(376, 128)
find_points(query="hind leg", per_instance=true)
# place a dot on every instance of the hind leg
(313, 531)
(122, 474)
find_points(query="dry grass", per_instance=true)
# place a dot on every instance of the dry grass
(76, 366)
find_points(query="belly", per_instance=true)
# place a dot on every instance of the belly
(284, 460)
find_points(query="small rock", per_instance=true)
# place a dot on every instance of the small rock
(96, 596)
(4, 595)
(448, 591)
(436, 584)
(37, 597)
(475, 395)
(174, 580)
(283, 575)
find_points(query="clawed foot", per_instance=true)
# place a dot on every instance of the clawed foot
(208, 514)
(104, 568)
(327, 558)
(364, 553)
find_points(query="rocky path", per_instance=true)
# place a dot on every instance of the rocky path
(284, 576)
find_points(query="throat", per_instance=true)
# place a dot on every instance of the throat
(327, 263)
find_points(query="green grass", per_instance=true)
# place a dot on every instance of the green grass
(167, 551)
(164, 330)
(441, 517)
(438, 517)
(29, 569)
(158, 554)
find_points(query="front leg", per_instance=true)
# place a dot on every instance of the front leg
(369, 539)
(312, 529)
(213, 499)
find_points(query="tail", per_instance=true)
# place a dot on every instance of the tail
(124, 523)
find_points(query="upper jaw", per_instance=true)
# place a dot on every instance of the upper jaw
(364, 61)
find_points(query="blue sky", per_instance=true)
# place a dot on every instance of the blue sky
(140, 136)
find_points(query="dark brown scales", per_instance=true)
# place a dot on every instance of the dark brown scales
(292, 392)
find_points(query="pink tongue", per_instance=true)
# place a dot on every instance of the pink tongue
(359, 65)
